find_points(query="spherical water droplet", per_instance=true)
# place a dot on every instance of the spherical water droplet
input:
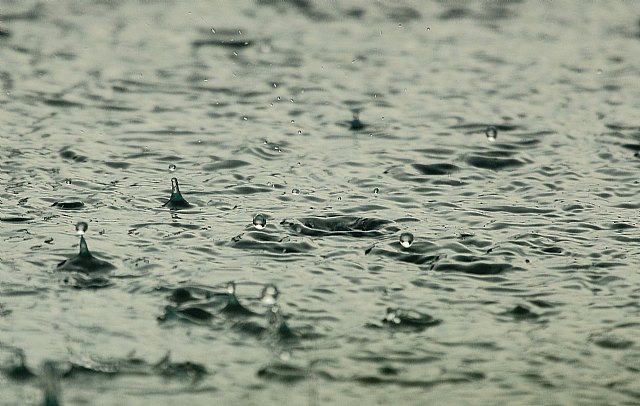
(172, 168)
(231, 288)
(492, 133)
(299, 131)
(278, 98)
(293, 121)
(339, 197)
(81, 227)
(295, 191)
(376, 191)
(67, 181)
(269, 295)
(406, 239)
(259, 221)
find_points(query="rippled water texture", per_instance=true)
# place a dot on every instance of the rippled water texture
(503, 136)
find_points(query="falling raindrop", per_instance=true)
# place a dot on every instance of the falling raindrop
(172, 168)
(67, 181)
(295, 191)
(406, 240)
(231, 288)
(259, 221)
(81, 227)
(492, 133)
(376, 191)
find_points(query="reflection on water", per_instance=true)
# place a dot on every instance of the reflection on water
(426, 202)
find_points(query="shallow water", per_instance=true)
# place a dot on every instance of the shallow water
(345, 126)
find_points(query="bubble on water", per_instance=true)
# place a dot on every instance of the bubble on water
(376, 191)
(406, 240)
(269, 295)
(295, 191)
(491, 133)
(231, 288)
(172, 168)
(259, 221)
(81, 227)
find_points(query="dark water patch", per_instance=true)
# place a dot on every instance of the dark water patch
(475, 268)
(611, 342)
(222, 165)
(66, 153)
(62, 103)
(520, 312)
(283, 372)
(117, 165)
(493, 162)
(436, 169)
(4, 33)
(419, 254)
(15, 219)
(230, 43)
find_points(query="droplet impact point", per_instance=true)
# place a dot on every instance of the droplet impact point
(259, 221)
(491, 133)
(406, 240)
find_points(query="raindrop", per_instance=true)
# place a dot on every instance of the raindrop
(275, 84)
(81, 227)
(172, 168)
(376, 191)
(406, 240)
(339, 197)
(259, 221)
(492, 133)
(213, 30)
(245, 118)
(269, 295)
(293, 121)
(231, 288)
(67, 181)
(278, 98)
(295, 191)
(299, 131)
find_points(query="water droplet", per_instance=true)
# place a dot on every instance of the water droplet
(175, 188)
(428, 29)
(245, 118)
(295, 191)
(299, 131)
(376, 191)
(231, 288)
(269, 295)
(172, 168)
(235, 53)
(291, 100)
(492, 133)
(81, 227)
(406, 239)
(259, 221)
(275, 84)
(293, 121)
(213, 30)
(339, 197)
(278, 98)
(67, 181)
